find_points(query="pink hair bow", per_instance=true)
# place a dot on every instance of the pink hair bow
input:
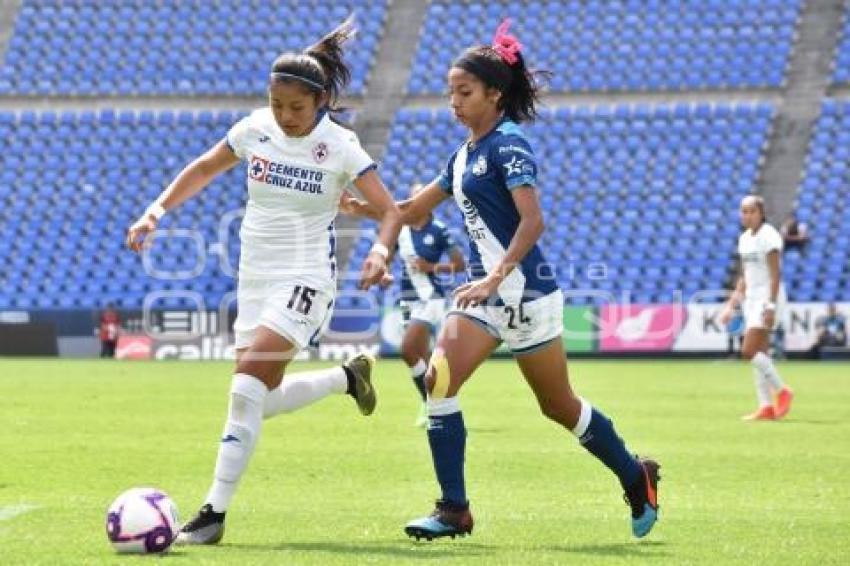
(505, 44)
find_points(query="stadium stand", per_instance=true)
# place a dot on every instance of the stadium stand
(821, 272)
(622, 45)
(72, 182)
(841, 63)
(193, 47)
(646, 190)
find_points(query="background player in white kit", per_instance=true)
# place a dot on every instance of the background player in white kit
(299, 160)
(762, 295)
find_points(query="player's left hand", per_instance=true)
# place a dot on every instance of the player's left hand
(348, 204)
(475, 292)
(373, 271)
(387, 280)
(769, 317)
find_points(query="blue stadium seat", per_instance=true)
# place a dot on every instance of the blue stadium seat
(823, 203)
(116, 48)
(651, 208)
(618, 45)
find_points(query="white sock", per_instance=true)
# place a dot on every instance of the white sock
(763, 393)
(765, 365)
(300, 389)
(241, 431)
(419, 369)
(583, 418)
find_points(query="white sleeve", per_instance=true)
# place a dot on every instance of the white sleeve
(356, 161)
(237, 136)
(771, 240)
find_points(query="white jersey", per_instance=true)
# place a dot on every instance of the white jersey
(753, 249)
(294, 186)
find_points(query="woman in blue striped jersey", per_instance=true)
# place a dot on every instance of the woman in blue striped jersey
(512, 295)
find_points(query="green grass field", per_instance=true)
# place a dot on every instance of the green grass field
(327, 486)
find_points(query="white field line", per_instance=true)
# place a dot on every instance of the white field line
(11, 511)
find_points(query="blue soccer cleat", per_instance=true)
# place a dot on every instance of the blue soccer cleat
(643, 498)
(447, 520)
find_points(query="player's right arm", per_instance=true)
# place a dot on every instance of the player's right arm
(411, 209)
(189, 182)
(734, 300)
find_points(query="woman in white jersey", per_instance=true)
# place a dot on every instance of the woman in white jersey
(299, 160)
(762, 295)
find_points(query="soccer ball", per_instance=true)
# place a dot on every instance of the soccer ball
(142, 520)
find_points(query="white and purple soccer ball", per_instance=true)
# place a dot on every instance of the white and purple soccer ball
(142, 520)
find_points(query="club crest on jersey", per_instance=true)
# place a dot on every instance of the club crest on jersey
(258, 168)
(480, 166)
(320, 152)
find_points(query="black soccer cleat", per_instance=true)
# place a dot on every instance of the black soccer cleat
(643, 498)
(447, 520)
(206, 528)
(360, 368)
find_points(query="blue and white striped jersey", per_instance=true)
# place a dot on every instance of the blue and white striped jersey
(430, 243)
(481, 177)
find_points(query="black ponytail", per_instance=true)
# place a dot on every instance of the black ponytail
(520, 86)
(320, 68)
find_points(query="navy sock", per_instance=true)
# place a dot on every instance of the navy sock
(419, 382)
(447, 437)
(601, 440)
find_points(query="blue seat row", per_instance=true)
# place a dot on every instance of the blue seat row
(192, 47)
(621, 45)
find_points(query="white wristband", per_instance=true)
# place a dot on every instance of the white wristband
(380, 249)
(156, 210)
(769, 306)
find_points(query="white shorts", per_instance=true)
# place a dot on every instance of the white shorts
(753, 310)
(430, 312)
(524, 329)
(292, 309)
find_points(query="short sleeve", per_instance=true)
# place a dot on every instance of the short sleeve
(356, 161)
(237, 135)
(771, 241)
(445, 179)
(515, 160)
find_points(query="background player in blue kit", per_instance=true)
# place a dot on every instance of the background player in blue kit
(421, 246)
(512, 295)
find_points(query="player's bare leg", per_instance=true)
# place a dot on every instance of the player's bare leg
(546, 372)
(461, 347)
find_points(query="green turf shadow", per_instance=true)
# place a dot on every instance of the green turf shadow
(644, 549)
(410, 550)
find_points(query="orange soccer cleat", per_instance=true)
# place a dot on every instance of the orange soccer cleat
(783, 402)
(765, 413)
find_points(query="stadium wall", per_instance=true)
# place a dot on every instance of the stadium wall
(657, 330)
